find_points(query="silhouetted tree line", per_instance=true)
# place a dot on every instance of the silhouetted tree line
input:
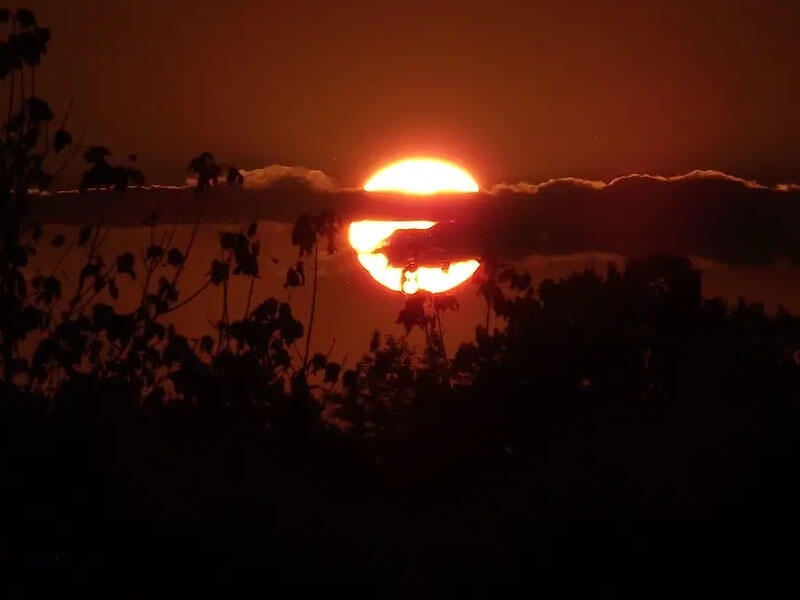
(132, 453)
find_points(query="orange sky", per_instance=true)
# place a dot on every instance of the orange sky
(511, 90)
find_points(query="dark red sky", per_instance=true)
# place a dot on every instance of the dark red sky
(512, 90)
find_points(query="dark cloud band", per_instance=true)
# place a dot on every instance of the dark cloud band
(702, 213)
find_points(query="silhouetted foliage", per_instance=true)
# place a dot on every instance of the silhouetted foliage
(206, 169)
(102, 174)
(234, 177)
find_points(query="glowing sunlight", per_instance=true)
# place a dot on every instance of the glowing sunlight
(421, 176)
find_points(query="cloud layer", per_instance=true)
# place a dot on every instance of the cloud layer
(701, 213)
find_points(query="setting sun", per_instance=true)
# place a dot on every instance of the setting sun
(421, 176)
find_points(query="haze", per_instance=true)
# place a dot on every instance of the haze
(510, 90)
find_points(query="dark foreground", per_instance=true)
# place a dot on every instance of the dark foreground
(657, 503)
(619, 435)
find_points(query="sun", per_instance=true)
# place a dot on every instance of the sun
(421, 176)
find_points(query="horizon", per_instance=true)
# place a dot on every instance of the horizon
(266, 176)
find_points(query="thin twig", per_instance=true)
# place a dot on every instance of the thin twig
(191, 239)
(186, 301)
(330, 350)
(66, 114)
(313, 306)
(63, 256)
(97, 291)
(441, 335)
(249, 297)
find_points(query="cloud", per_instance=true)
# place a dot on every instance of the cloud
(525, 187)
(280, 175)
(271, 175)
(703, 213)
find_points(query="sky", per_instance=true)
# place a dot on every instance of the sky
(513, 91)
(549, 96)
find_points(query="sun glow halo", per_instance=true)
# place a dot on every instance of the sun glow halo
(420, 176)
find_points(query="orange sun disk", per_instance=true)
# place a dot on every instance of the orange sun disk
(411, 176)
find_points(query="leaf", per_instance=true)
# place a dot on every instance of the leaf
(414, 313)
(207, 170)
(85, 234)
(280, 356)
(227, 240)
(177, 350)
(175, 257)
(129, 177)
(87, 271)
(521, 282)
(207, 344)
(375, 342)
(40, 179)
(38, 109)
(445, 302)
(291, 331)
(125, 264)
(292, 278)
(350, 378)
(31, 137)
(42, 36)
(318, 362)
(220, 272)
(246, 264)
(158, 330)
(113, 289)
(96, 154)
(234, 177)
(25, 18)
(58, 240)
(121, 327)
(332, 371)
(102, 315)
(266, 310)
(50, 290)
(155, 252)
(83, 324)
(166, 290)
(303, 234)
(61, 140)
